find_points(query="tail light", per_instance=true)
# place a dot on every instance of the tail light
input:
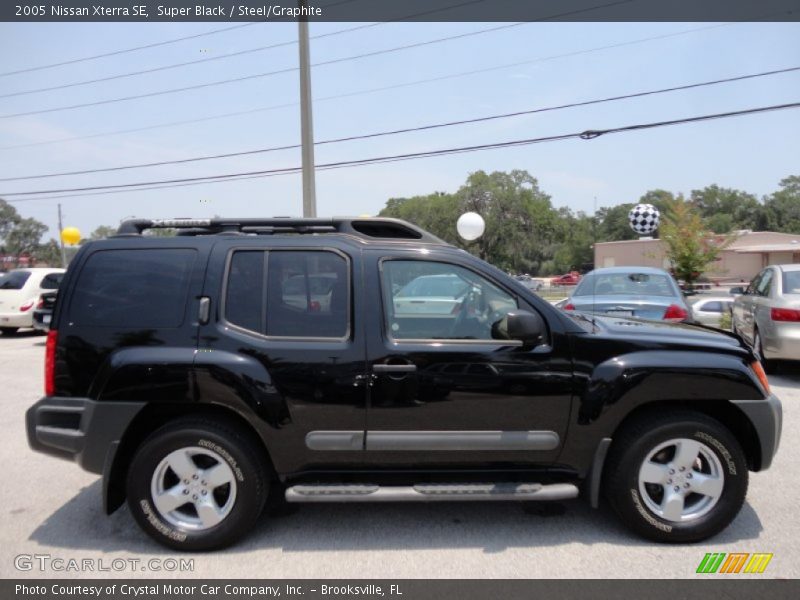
(762, 376)
(40, 304)
(27, 306)
(314, 306)
(675, 313)
(785, 314)
(569, 306)
(50, 363)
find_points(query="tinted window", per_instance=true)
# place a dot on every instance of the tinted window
(51, 281)
(14, 280)
(244, 300)
(791, 282)
(133, 288)
(429, 300)
(625, 284)
(308, 294)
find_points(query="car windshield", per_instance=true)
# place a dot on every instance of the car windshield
(625, 284)
(791, 282)
(14, 280)
(446, 287)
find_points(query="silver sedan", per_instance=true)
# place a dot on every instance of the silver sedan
(767, 315)
(708, 310)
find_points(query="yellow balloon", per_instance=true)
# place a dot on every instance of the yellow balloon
(70, 235)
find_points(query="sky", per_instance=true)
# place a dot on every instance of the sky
(562, 63)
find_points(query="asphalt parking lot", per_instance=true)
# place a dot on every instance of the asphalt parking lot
(52, 507)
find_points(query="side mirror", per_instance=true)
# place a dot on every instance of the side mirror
(522, 325)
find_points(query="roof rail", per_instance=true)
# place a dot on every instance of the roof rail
(363, 227)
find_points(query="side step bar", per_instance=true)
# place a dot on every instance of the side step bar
(431, 492)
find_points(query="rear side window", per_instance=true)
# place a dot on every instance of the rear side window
(51, 281)
(307, 293)
(791, 282)
(133, 288)
(712, 307)
(15, 280)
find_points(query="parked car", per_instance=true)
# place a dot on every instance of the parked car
(43, 312)
(736, 290)
(767, 315)
(201, 387)
(642, 292)
(532, 283)
(571, 278)
(708, 310)
(19, 292)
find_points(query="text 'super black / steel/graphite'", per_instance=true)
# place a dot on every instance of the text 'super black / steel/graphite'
(365, 360)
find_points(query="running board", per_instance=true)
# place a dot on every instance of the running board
(431, 492)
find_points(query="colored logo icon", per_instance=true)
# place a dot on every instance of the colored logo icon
(735, 562)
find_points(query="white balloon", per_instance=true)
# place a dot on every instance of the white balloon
(470, 226)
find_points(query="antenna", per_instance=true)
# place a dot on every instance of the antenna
(594, 265)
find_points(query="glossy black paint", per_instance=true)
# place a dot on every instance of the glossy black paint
(580, 384)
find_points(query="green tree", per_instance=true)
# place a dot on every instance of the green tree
(783, 207)
(726, 209)
(102, 232)
(24, 237)
(691, 248)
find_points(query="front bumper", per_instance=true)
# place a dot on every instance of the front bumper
(766, 417)
(79, 429)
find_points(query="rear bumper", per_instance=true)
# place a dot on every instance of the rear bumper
(41, 319)
(79, 429)
(16, 319)
(767, 419)
(785, 345)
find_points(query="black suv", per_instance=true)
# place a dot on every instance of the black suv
(365, 360)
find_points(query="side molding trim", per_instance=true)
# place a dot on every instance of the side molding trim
(335, 440)
(461, 440)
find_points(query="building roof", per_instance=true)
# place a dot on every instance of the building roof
(790, 247)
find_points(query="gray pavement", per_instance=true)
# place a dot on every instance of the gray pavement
(51, 507)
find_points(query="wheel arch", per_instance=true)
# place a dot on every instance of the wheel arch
(149, 419)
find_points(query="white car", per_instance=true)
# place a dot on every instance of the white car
(19, 292)
(708, 310)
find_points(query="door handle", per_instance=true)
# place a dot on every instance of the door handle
(394, 368)
(204, 310)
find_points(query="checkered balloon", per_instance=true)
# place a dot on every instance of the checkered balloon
(643, 218)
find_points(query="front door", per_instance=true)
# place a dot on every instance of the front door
(444, 391)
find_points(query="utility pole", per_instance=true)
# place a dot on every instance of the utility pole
(306, 119)
(61, 241)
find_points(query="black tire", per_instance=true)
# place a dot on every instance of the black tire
(233, 447)
(8, 330)
(631, 447)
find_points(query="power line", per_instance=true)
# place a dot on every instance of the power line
(183, 64)
(584, 135)
(417, 128)
(262, 75)
(232, 54)
(146, 46)
(370, 90)
(324, 63)
(124, 51)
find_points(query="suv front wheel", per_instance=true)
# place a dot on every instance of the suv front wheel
(676, 477)
(195, 484)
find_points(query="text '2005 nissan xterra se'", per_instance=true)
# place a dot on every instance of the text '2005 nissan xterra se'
(365, 360)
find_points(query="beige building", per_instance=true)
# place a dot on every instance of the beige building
(742, 260)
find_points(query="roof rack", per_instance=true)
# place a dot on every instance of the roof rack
(363, 227)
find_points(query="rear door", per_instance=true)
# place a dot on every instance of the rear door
(285, 330)
(446, 394)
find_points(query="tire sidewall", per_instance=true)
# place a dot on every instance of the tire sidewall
(633, 509)
(250, 490)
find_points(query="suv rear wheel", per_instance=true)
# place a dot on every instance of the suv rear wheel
(195, 484)
(676, 477)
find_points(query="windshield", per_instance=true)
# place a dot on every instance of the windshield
(14, 280)
(791, 282)
(625, 284)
